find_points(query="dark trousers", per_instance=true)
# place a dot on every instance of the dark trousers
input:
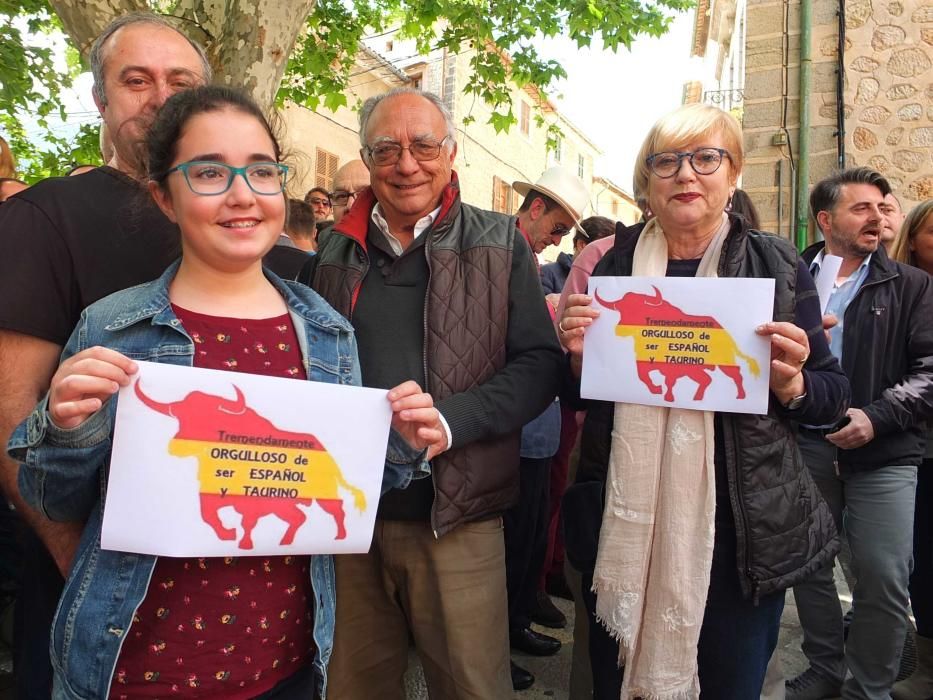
(737, 637)
(736, 640)
(604, 650)
(559, 468)
(40, 587)
(526, 525)
(921, 579)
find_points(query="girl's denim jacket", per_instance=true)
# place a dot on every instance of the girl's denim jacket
(63, 474)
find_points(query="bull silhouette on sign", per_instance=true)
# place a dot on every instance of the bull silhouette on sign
(640, 311)
(201, 418)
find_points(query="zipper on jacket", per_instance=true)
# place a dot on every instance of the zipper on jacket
(755, 585)
(740, 502)
(424, 365)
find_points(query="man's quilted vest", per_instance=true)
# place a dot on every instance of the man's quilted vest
(466, 317)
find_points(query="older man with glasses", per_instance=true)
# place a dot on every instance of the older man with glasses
(446, 294)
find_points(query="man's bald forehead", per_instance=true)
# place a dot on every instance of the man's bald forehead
(355, 169)
(107, 46)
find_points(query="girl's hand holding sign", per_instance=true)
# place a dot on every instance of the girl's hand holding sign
(85, 382)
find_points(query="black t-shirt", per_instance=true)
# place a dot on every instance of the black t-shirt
(73, 240)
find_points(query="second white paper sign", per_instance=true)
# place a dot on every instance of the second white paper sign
(679, 342)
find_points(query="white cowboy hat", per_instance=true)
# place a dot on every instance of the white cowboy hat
(563, 187)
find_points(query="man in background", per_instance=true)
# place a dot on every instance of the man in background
(299, 225)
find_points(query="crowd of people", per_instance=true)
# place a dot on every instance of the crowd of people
(682, 529)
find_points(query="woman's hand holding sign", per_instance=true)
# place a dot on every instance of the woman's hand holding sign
(84, 383)
(415, 418)
(790, 350)
(577, 317)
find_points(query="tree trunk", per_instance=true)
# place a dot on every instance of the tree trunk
(84, 20)
(248, 41)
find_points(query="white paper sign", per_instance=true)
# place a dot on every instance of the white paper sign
(212, 463)
(826, 280)
(679, 342)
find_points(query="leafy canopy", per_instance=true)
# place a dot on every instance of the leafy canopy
(499, 36)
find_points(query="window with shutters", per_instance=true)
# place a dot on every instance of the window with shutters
(325, 167)
(501, 195)
(524, 116)
(581, 166)
(615, 208)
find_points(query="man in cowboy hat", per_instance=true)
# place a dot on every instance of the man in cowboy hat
(551, 209)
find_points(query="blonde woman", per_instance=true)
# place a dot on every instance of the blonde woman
(693, 587)
(914, 242)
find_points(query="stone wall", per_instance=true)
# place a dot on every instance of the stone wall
(888, 98)
(773, 92)
(889, 95)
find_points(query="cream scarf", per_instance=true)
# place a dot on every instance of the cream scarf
(656, 542)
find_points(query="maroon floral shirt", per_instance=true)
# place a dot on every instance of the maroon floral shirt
(229, 627)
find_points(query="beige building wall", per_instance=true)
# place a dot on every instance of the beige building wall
(485, 158)
(887, 98)
(613, 202)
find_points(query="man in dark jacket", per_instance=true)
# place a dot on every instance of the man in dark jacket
(866, 467)
(445, 294)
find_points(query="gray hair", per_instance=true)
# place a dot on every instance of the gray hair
(370, 105)
(97, 49)
(826, 193)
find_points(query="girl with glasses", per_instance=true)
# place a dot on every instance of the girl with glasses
(235, 627)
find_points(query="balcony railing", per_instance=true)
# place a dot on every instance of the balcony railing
(725, 99)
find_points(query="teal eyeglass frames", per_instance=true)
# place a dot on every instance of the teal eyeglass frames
(209, 178)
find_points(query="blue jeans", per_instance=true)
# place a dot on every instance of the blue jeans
(875, 509)
(737, 637)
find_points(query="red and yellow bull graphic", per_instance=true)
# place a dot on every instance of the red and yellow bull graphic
(677, 344)
(247, 463)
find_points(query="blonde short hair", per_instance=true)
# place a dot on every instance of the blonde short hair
(680, 127)
(900, 249)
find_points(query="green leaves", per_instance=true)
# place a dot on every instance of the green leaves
(31, 84)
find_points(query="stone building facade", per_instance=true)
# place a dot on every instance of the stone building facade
(887, 98)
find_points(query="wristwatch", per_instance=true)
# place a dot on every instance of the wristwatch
(795, 402)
